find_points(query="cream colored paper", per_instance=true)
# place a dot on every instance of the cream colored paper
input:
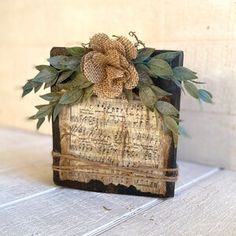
(115, 142)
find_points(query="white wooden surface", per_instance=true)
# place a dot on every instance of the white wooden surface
(30, 204)
(208, 208)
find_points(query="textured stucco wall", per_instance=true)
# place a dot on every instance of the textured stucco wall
(205, 30)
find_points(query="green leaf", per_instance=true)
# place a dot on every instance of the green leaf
(57, 109)
(144, 54)
(76, 51)
(204, 95)
(171, 124)
(46, 75)
(39, 106)
(88, 92)
(175, 139)
(167, 56)
(40, 122)
(27, 88)
(65, 62)
(37, 87)
(159, 67)
(43, 111)
(81, 81)
(128, 94)
(147, 96)
(142, 67)
(159, 92)
(71, 96)
(64, 75)
(197, 82)
(50, 84)
(177, 82)
(184, 74)
(51, 97)
(32, 117)
(41, 67)
(143, 74)
(183, 132)
(191, 89)
(166, 108)
(50, 115)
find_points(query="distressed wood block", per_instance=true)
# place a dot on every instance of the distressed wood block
(110, 145)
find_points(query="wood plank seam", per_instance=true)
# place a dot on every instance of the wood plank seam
(147, 206)
(28, 197)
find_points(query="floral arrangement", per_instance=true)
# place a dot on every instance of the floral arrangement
(110, 68)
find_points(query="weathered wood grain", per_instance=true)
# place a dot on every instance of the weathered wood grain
(27, 170)
(31, 205)
(208, 208)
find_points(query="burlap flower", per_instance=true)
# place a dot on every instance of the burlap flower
(108, 65)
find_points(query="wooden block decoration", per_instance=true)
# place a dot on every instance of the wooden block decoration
(115, 146)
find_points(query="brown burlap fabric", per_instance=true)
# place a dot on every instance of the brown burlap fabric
(109, 65)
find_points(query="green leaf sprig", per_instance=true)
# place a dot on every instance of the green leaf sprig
(151, 68)
(69, 85)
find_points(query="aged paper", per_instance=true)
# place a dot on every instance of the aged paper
(115, 142)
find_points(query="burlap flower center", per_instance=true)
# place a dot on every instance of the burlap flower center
(109, 65)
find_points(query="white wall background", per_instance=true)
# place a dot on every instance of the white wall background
(205, 30)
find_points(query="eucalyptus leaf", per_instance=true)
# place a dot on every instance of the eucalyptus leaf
(65, 62)
(159, 92)
(57, 109)
(183, 132)
(167, 56)
(43, 111)
(184, 74)
(171, 124)
(191, 89)
(50, 115)
(88, 92)
(177, 82)
(143, 75)
(46, 75)
(32, 117)
(166, 108)
(144, 54)
(40, 122)
(81, 81)
(77, 80)
(197, 82)
(159, 67)
(27, 88)
(51, 97)
(142, 67)
(204, 95)
(50, 83)
(147, 96)
(175, 139)
(41, 67)
(128, 94)
(39, 106)
(71, 96)
(37, 87)
(76, 51)
(64, 75)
